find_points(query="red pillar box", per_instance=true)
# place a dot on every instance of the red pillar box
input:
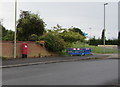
(24, 50)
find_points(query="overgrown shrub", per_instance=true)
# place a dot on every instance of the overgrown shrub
(53, 42)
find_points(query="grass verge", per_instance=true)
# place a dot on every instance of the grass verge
(95, 49)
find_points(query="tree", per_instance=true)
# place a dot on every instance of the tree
(3, 30)
(119, 38)
(74, 29)
(70, 36)
(103, 35)
(28, 24)
(112, 42)
(9, 36)
(95, 42)
(59, 38)
(6, 34)
(0, 32)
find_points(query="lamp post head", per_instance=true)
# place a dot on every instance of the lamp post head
(106, 4)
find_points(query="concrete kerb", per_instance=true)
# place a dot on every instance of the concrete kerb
(56, 61)
(36, 63)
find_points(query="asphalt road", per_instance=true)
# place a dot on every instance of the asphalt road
(88, 72)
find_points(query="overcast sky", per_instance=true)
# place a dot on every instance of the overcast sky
(88, 16)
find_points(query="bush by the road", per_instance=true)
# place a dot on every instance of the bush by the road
(53, 42)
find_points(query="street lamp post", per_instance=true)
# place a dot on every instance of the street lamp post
(104, 26)
(15, 29)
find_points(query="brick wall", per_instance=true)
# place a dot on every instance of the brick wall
(34, 50)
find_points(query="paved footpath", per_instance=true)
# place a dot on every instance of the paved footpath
(45, 60)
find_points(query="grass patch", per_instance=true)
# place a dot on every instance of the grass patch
(95, 49)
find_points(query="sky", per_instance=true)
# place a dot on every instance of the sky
(87, 15)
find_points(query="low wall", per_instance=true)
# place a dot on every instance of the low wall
(108, 46)
(34, 50)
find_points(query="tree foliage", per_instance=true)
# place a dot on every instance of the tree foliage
(60, 38)
(0, 32)
(28, 24)
(103, 35)
(9, 36)
(96, 42)
(119, 38)
(69, 35)
(33, 37)
(4, 31)
(6, 34)
(53, 42)
(74, 29)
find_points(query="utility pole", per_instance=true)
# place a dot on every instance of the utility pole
(104, 27)
(15, 29)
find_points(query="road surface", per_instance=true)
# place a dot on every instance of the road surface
(87, 72)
